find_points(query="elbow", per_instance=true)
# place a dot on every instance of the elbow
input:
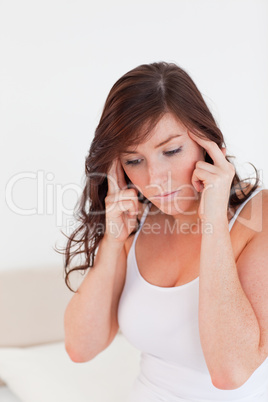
(224, 384)
(228, 381)
(77, 356)
(234, 378)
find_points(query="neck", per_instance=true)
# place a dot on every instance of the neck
(187, 222)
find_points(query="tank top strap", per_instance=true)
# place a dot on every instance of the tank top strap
(241, 206)
(145, 212)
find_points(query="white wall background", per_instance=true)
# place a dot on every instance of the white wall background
(60, 58)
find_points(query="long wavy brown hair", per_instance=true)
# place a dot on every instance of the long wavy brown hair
(135, 104)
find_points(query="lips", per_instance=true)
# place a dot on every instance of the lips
(166, 194)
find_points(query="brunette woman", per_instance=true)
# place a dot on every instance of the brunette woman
(181, 247)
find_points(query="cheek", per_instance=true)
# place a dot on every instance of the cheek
(196, 155)
(187, 165)
(189, 172)
(133, 176)
(185, 170)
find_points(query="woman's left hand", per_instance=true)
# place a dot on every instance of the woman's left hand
(214, 181)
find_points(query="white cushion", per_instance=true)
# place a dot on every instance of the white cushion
(46, 373)
(32, 305)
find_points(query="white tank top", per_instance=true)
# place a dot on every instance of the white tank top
(162, 322)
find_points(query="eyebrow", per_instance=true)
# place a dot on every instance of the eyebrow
(157, 146)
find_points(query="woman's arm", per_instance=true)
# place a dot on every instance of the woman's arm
(229, 329)
(233, 320)
(91, 315)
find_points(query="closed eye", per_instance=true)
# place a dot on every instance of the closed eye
(167, 153)
(175, 151)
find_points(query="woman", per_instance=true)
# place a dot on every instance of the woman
(160, 199)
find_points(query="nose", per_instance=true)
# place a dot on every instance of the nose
(158, 179)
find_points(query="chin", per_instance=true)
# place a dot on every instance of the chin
(174, 208)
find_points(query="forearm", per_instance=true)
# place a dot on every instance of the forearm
(229, 330)
(87, 319)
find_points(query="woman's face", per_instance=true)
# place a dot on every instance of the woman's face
(163, 165)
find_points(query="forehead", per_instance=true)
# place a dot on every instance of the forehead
(168, 127)
(167, 124)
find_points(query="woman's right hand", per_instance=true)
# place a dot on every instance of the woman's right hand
(121, 205)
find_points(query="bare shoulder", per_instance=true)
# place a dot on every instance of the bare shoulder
(252, 230)
(253, 215)
(259, 208)
(253, 218)
(252, 265)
